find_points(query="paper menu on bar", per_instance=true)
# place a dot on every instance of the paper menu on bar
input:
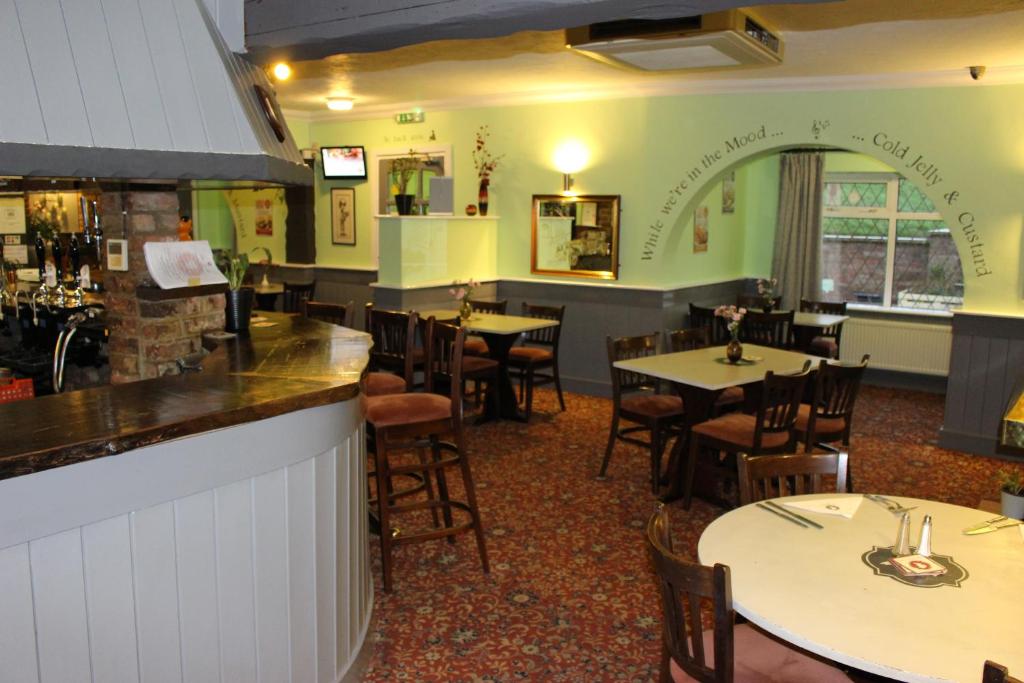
(182, 264)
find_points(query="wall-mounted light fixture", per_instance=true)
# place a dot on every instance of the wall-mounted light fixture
(570, 157)
(340, 103)
(282, 71)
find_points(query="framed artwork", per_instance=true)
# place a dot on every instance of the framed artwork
(729, 192)
(700, 230)
(343, 215)
(576, 236)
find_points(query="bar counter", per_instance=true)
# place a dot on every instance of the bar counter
(299, 363)
(207, 526)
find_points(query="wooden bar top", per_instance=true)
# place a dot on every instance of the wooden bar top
(298, 363)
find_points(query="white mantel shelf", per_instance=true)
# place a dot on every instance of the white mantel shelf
(419, 251)
(439, 217)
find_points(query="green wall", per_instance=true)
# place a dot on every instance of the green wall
(665, 156)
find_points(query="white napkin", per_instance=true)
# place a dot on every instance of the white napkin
(845, 506)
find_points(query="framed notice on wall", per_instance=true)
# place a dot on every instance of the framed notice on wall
(343, 216)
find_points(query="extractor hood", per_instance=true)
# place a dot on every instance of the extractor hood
(710, 41)
(134, 89)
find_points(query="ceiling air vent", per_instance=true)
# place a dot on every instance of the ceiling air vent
(710, 41)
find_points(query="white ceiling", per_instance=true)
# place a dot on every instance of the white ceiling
(850, 44)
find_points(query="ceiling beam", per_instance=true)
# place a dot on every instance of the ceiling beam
(313, 29)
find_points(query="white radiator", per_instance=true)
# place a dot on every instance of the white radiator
(902, 346)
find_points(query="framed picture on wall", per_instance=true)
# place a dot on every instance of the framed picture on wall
(729, 192)
(343, 216)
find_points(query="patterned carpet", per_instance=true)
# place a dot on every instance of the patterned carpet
(570, 596)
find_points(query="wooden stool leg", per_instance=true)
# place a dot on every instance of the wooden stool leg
(384, 510)
(474, 510)
(442, 487)
(612, 436)
(428, 483)
(529, 394)
(558, 383)
(656, 448)
(691, 471)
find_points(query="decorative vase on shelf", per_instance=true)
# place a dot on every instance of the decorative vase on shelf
(481, 201)
(734, 351)
(404, 202)
(465, 310)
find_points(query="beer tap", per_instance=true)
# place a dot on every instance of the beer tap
(74, 296)
(43, 293)
(86, 235)
(58, 296)
(97, 234)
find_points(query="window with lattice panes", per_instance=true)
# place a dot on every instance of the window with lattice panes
(884, 243)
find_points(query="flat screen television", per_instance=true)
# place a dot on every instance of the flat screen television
(344, 162)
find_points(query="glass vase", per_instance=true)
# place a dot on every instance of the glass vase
(481, 201)
(734, 350)
(465, 310)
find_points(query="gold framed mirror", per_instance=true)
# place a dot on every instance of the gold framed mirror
(576, 236)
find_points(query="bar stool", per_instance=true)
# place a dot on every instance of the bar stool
(418, 421)
(392, 358)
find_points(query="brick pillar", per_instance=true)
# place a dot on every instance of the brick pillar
(146, 337)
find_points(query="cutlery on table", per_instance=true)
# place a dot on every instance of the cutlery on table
(994, 524)
(890, 505)
(779, 514)
(794, 514)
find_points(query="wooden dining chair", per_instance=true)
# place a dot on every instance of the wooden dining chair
(701, 316)
(768, 329)
(691, 339)
(769, 430)
(997, 673)
(393, 350)
(829, 416)
(539, 352)
(693, 594)
(636, 399)
(774, 476)
(755, 302)
(336, 314)
(476, 346)
(826, 343)
(404, 422)
(295, 294)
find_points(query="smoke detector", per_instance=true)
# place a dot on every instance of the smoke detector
(708, 41)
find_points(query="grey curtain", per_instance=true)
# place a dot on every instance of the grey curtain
(796, 262)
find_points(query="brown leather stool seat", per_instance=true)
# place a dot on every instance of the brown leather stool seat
(406, 409)
(382, 384)
(738, 429)
(475, 347)
(652, 405)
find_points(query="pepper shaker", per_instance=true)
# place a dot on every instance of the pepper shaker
(902, 547)
(924, 546)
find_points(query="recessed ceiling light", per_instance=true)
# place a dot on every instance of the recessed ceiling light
(282, 71)
(340, 103)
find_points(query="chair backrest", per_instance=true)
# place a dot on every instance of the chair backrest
(495, 307)
(756, 301)
(444, 362)
(771, 476)
(996, 673)
(688, 339)
(627, 348)
(780, 402)
(835, 389)
(767, 329)
(295, 294)
(685, 588)
(701, 316)
(338, 314)
(546, 336)
(828, 308)
(394, 336)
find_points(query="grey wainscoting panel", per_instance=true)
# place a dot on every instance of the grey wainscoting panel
(987, 361)
(333, 285)
(594, 312)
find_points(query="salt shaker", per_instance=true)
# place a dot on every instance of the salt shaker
(924, 546)
(902, 547)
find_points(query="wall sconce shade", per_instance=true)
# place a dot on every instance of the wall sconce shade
(570, 157)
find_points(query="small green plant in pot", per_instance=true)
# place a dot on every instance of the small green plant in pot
(402, 170)
(1011, 487)
(238, 308)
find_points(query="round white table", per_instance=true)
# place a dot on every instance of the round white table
(811, 588)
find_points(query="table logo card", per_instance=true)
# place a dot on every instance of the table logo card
(916, 570)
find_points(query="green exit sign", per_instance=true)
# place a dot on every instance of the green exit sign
(410, 117)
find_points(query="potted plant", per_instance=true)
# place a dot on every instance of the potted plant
(402, 169)
(239, 299)
(766, 290)
(1011, 486)
(462, 293)
(734, 318)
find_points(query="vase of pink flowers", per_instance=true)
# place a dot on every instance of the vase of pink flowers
(734, 318)
(766, 290)
(485, 163)
(463, 292)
